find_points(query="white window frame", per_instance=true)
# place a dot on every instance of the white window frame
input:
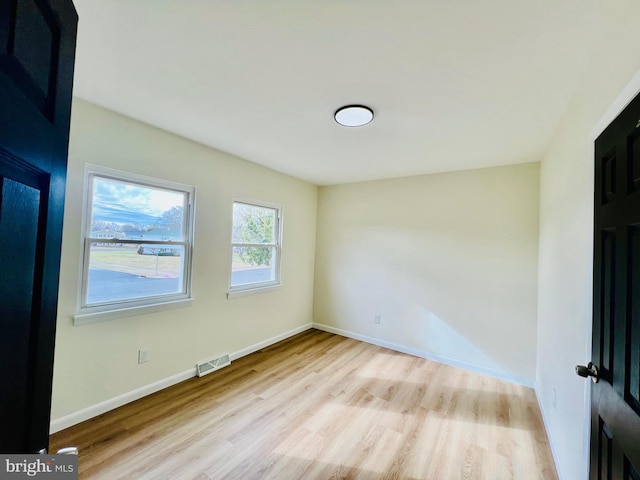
(258, 287)
(123, 308)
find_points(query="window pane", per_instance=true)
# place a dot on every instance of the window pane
(125, 272)
(129, 211)
(253, 224)
(253, 265)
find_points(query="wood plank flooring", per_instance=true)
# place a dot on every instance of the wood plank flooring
(320, 406)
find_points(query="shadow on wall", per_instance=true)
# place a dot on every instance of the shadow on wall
(441, 339)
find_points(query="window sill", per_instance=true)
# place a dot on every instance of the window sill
(231, 294)
(94, 317)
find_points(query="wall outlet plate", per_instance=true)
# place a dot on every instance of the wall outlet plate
(143, 355)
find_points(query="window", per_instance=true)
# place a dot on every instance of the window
(255, 246)
(137, 238)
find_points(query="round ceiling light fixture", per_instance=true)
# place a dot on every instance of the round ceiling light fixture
(353, 115)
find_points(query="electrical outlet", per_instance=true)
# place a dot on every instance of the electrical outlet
(553, 399)
(143, 355)
(376, 319)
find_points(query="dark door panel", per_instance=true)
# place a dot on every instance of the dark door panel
(615, 401)
(37, 47)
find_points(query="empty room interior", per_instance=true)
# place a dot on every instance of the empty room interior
(427, 290)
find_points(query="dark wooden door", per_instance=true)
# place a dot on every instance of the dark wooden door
(37, 49)
(615, 407)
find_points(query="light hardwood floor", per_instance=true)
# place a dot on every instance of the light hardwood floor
(319, 406)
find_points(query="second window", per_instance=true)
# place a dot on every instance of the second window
(255, 245)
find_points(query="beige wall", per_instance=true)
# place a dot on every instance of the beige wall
(98, 362)
(449, 262)
(566, 237)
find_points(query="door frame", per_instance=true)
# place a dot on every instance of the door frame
(630, 91)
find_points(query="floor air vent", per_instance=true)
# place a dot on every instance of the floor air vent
(212, 365)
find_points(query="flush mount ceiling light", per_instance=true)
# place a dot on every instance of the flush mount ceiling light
(353, 115)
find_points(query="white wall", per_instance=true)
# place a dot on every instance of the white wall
(449, 262)
(98, 362)
(566, 243)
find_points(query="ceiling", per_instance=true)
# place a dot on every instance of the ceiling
(454, 84)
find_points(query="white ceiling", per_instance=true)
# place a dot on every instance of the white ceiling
(454, 84)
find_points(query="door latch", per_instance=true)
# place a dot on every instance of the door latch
(589, 371)
(68, 451)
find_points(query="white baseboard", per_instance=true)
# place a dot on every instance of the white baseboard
(547, 424)
(269, 341)
(527, 382)
(115, 402)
